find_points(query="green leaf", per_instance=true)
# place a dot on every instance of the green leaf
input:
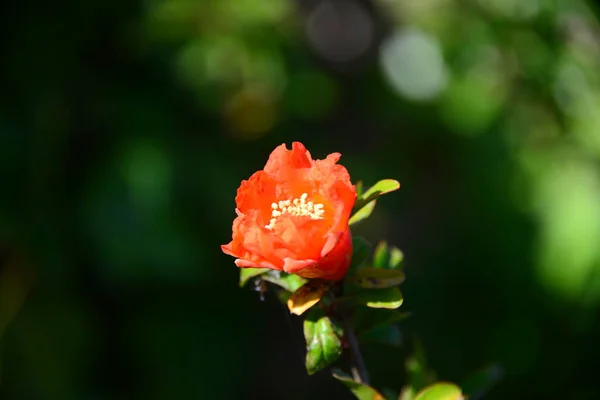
(385, 334)
(390, 298)
(323, 345)
(289, 282)
(362, 214)
(365, 203)
(407, 393)
(396, 258)
(479, 383)
(388, 257)
(283, 296)
(440, 391)
(382, 187)
(361, 249)
(248, 273)
(377, 278)
(381, 255)
(366, 319)
(361, 391)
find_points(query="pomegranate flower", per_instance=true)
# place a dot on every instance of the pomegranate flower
(293, 216)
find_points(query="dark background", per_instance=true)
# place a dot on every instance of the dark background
(126, 127)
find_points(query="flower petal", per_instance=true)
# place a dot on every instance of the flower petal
(282, 159)
(250, 244)
(256, 193)
(292, 266)
(333, 239)
(251, 264)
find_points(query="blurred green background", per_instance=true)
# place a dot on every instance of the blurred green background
(126, 127)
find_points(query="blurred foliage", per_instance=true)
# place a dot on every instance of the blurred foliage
(126, 127)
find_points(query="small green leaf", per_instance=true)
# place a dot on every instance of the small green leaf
(381, 255)
(407, 393)
(361, 249)
(248, 273)
(389, 257)
(384, 334)
(323, 345)
(365, 203)
(283, 296)
(361, 391)
(440, 391)
(479, 383)
(382, 187)
(377, 278)
(390, 298)
(396, 258)
(289, 282)
(362, 214)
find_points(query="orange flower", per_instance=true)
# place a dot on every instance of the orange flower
(293, 216)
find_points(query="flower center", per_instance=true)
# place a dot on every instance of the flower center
(298, 206)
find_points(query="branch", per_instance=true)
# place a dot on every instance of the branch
(359, 369)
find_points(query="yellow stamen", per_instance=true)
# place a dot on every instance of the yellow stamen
(298, 206)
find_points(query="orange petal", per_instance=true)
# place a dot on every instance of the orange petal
(282, 159)
(292, 266)
(256, 193)
(255, 264)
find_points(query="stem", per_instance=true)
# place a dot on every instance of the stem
(359, 369)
